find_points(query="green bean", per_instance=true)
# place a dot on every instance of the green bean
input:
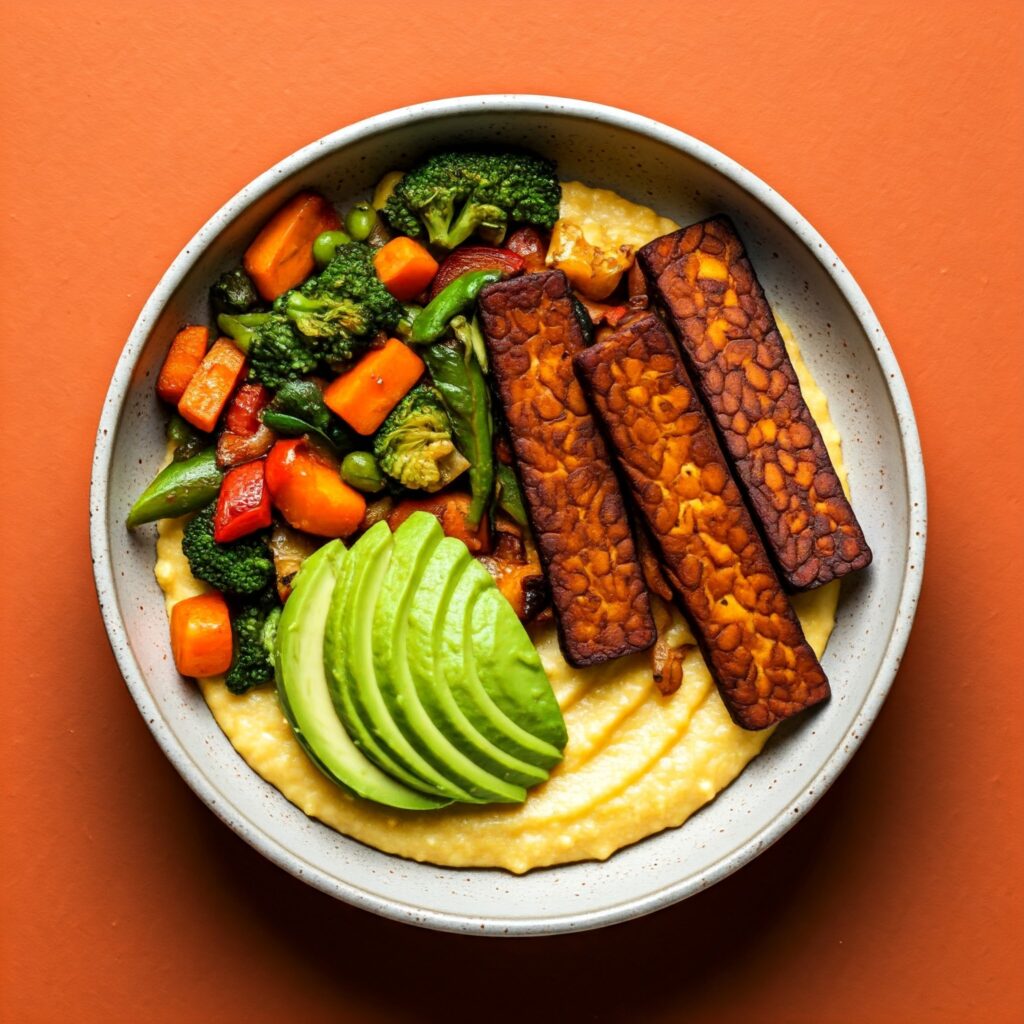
(326, 244)
(360, 470)
(452, 300)
(178, 488)
(360, 221)
(510, 497)
(460, 380)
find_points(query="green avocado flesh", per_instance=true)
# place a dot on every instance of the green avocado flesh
(348, 654)
(501, 722)
(407, 676)
(426, 622)
(304, 695)
(414, 543)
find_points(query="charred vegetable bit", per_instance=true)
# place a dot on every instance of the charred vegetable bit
(178, 489)
(452, 195)
(476, 257)
(234, 292)
(414, 444)
(459, 380)
(187, 440)
(243, 567)
(253, 628)
(289, 549)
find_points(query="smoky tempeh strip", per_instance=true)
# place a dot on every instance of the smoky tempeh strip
(732, 346)
(572, 495)
(752, 640)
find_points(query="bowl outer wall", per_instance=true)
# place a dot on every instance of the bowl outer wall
(676, 863)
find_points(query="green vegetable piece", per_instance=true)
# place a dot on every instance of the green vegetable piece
(452, 195)
(243, 567)
(298, 408)
(306, 699)
(187, 440)
(178, 489)
(472, 338)
(360, 221)
(463, 389)
(413, 544)
(360, 470)
(326, 245)
(253, 661)
(404, 326)
(241, 328)
(414, 444)
(452, 300)
(234, 292)
(583, 318)
(510, 497)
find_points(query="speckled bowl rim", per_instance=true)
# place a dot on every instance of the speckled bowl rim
(843, 750)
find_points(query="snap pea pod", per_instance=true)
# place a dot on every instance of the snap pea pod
(460, 380)
(452, 300)
(179, 488)
(509, 497)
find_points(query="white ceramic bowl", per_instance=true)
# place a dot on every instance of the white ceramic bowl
(845, 348)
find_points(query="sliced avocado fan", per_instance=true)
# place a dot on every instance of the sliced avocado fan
(407, 676)
(304, 695)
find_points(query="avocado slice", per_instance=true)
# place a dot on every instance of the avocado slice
(510, 665)
(414, 544)
(304, 695)
(348, 656)
(426, 621)
(455, 658)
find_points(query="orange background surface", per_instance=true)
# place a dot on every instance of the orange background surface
(896, 128)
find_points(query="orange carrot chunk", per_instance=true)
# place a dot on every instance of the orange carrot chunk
(281, 255)
(306, 488)
(404, 267)
(211, 385)
(201, 635)
(183, 359)
(364, 395)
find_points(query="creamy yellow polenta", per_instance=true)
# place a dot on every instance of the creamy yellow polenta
(636, 762)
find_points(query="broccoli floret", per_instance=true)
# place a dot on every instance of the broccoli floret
(342, 305)
(414, 444)
(254, 628)
(234, 292)
(326, 322)
(451, 195)
(242, 567)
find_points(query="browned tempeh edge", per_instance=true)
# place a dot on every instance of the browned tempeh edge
(658, 430)
(572, 494)
(733, 348)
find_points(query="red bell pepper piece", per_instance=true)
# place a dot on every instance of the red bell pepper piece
(476, 257)
(243, 505)
(243, 415)
(530, 246)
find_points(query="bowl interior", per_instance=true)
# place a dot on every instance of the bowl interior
(867, 402)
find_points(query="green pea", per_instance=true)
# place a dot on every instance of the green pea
(360, 470)
(360, 221)
(326, 245)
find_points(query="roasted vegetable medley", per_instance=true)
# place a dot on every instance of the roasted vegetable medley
(343, 381)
